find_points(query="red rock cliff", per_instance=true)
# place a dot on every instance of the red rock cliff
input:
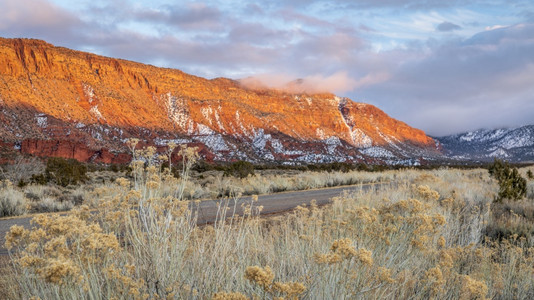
(54, 93)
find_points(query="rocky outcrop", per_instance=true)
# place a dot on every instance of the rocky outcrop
(56, 95)
(71, 149)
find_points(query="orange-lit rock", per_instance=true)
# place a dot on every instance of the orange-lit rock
(58, 95)
(71, 149)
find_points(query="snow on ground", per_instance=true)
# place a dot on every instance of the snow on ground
(206, 113)
(177, 110)
(42, 120)
(516, 140)
(377, 152)
(499, 153)
(360, 139)
(89, 92)
(94, 110)
(215, 142)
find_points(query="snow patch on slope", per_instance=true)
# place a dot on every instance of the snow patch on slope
(94, 110)
(89, 92)
(218, 119)
(177, 110)
(260, 139)
(239, 123)
(378, 152)
(516, 141)
(360, 139)
(206, 113)
(499, 153)
(42, 120)
(214, 142)
(320, 133)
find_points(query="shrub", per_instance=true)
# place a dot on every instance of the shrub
(114, 168)
(40, 179)
(12, 201)
(511, 184)
(21, 169)
(175, 170)
(530, 175)
(240, 169)
(65, 171)
(396, 242)
(21, 183)
(49, 204)
(333, 167)
(511, 219)
(203, 166)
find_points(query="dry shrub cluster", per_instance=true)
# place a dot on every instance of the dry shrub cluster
(38, 198)
(526, 173)
(420, 238)
(12, 201)
(50, 197)
(215, 185)
(21, 170)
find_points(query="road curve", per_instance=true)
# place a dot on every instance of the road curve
(207, 209)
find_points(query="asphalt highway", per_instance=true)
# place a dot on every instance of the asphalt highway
(207, 209)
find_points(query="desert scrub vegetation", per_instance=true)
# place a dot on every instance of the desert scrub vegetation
(31, 186)
(44, 194)
(421, 238)
(39, 198)
(511, 184)
(21, 170)
(62, 172)
(514, 218)
(47, 196)
(12, 201)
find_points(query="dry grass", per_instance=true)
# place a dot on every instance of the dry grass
(530, 181)
(421, 239)
(211, 185)
(12, 201)
(50, 198)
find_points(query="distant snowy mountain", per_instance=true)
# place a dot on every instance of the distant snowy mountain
(511, 144)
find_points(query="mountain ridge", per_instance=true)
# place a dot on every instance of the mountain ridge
(53, 94)
(514, 144)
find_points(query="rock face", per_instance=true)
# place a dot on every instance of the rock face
(59, 102)
(510, 144)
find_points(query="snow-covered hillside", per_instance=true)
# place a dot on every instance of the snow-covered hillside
(511, 144)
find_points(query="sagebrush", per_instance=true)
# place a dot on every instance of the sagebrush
(419, 238)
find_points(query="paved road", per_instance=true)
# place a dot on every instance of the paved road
(207, 209)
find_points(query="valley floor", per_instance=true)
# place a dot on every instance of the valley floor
(434, 234)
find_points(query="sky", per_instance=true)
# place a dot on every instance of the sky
(442, 66)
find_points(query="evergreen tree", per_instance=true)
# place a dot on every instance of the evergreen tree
(511, 184)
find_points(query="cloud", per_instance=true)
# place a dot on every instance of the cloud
(36, 18)
(336, 83)
(195, 16)
(482, 81)
(256, 33)
(447, 26)
(493, 27)
(393, 4)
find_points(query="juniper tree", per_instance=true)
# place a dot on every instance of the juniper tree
(511, 184)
